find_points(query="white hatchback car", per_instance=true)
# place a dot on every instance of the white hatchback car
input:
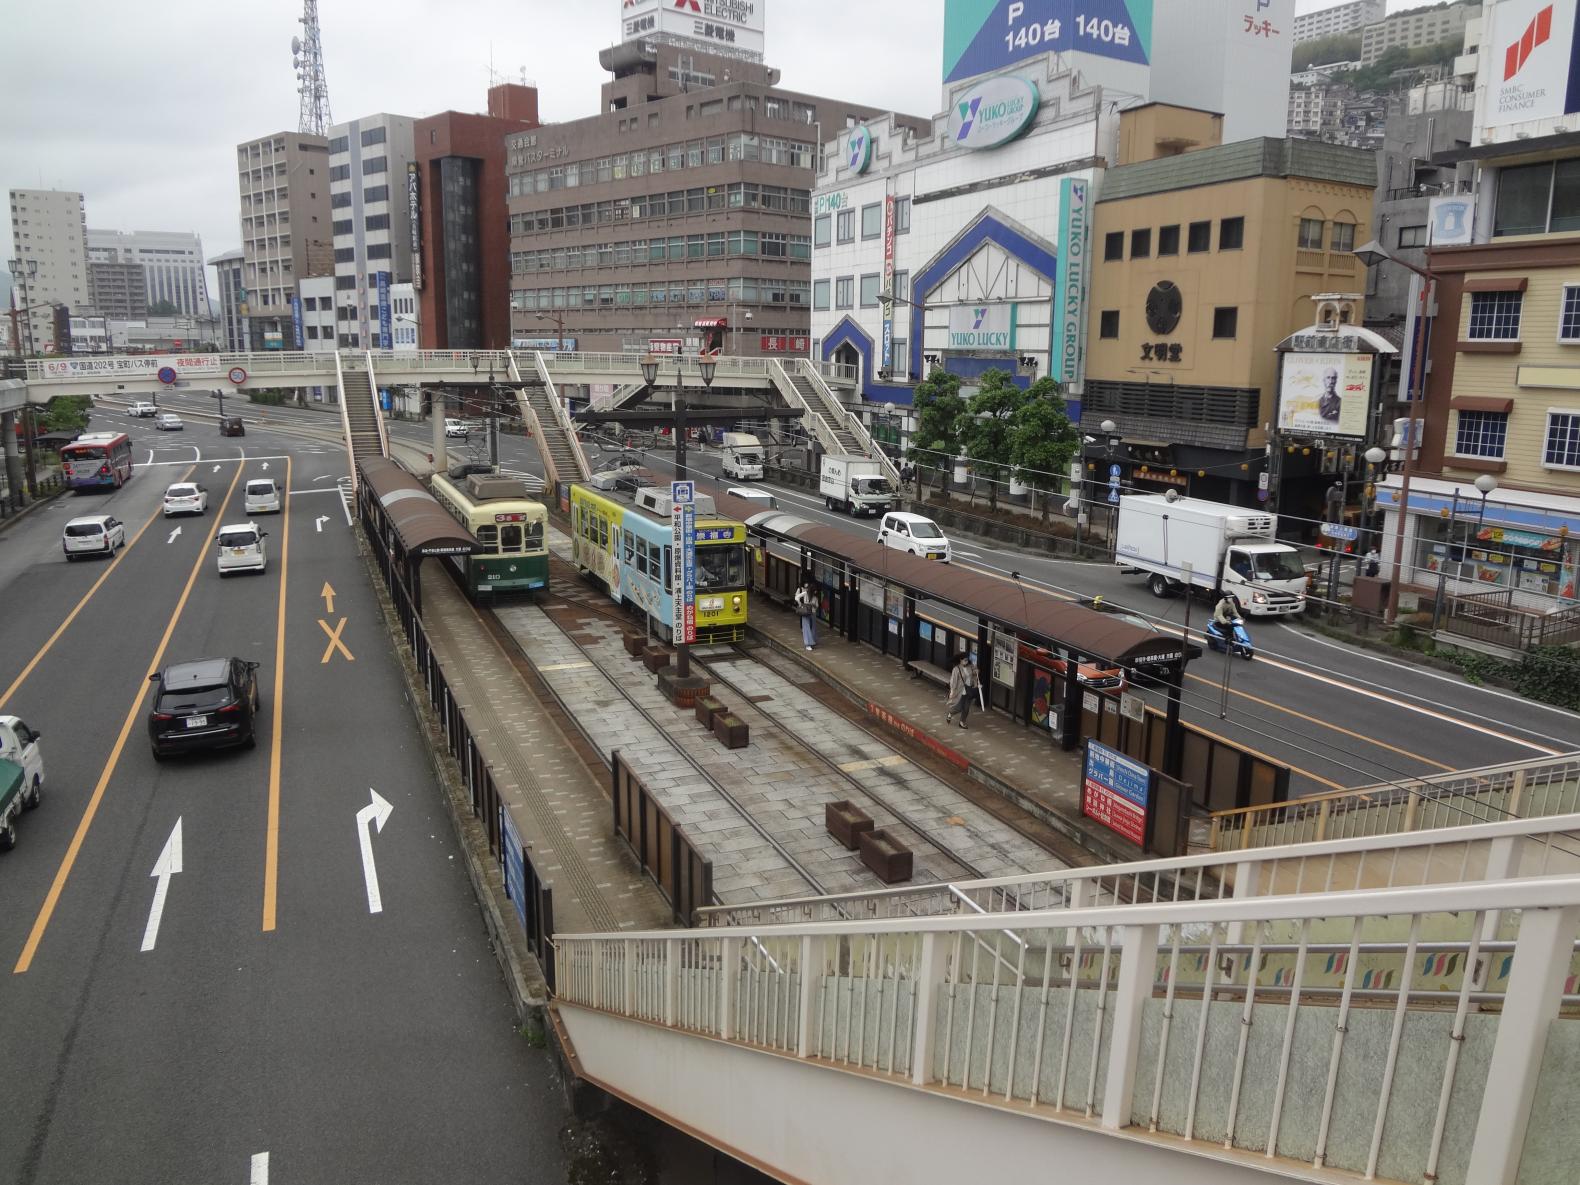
(142, 409)
(93, 534)
(168, 421)
(241, 548)
(456, 428)
(185, 497)
(262, 496)
(915, 533)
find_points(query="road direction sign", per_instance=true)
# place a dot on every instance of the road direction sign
(1340, 531)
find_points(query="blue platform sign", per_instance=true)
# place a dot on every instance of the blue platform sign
(1116, 791)
(513, 852)
(386, 319)
(683, 560)
(296, 321)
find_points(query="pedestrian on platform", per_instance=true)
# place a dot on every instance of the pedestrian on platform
(962, 689)
(806, 609)
(1371, 564)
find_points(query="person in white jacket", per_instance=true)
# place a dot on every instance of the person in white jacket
(806, 609)
(962, 689)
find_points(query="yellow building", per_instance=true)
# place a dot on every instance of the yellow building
(1205, 257)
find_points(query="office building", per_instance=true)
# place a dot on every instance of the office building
(285, 233)
(1416, 28)
(1337, 20)
(406, 317)
(174, 277)
(688, 200)
(117, 289)
(455, 199)
(49, 264)
(371, 224)
(230, 268)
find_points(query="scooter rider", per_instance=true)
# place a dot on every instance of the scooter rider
(1226, 613)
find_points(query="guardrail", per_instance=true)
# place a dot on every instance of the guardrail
(1536, 788)
(561, 415)
(378, 408)
(727, 366)
(683, 875)
(813, 417)
(846, 420)
(1140, 1017)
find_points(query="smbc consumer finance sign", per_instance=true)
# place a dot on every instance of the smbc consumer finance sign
(982, 327)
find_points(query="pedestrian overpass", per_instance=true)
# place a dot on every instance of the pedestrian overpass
(1399, 1007)
(534, 376)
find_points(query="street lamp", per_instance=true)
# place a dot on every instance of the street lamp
(558, 322)
(1371, 254)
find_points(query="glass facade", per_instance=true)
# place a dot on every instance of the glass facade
(463, 297)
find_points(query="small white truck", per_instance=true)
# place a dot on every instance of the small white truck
(855, 485)
(1213, 547)
(743, 456)
(21, 775)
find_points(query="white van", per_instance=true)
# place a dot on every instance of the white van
(241, 549)
(761, 498)
(914, 533)
(743, 456)
(262, 496)
(93, 534)
(19, 745)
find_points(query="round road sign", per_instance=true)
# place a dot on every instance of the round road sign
(167, 375)
(238, 376)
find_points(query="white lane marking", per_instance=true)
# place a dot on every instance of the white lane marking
(266, 466)
(306, 493)
(968, 555)
(173, 535)
(168, 864)
(215, 469)
(371, 818)
(197, 455)
(260, 1169)
(325, 477)
(226, 461)
(150, 460)
(321, 519)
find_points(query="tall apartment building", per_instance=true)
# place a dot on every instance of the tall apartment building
(172, 264)
(49, 253)
(1338, 20)
(455, 200)
(1415, 28)
(367, 175)
(118, 289)
(231, 270)
(686, 200)
(285, 235)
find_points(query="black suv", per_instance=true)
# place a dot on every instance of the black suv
(207, 704)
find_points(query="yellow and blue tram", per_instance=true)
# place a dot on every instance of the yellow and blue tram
(623, 537)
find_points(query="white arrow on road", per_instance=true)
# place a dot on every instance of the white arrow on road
(215, 469)
(320, 521)
(173, 535)
(168, 864)
(266, 466)
(376, 812)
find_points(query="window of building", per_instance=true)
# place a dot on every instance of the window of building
(1108, 323)
(869, 290)
(1495, 316)
(377, 221)
(1169, 240)
(844, 292)
(1114, 245)
(340, 173)
(820, 294)
(376, 193)
(378, 250)
(845, 227)
(1412, 236)
(345, 254)
(1481, 434)
(1199, 238)
(1225, 322)
(1562, 447)
(342, 226)
(339, 144)
(902, 287)
(345, 283)
(1342, 241)
(822, 226)
(375, 164)
(1231, 234)
(902, 215)
(1538, 199)
(1310, 234)
(1141, 243)
(372, 136)
(872, 221)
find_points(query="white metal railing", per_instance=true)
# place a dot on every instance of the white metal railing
(551, 472)
(345, 420)
(1234, 1023)
(815, 422)
(562, 416)
(378, 407)
(727, 366)
(1489, 851)
(846, 420)
(1535, 788)
(836, 372)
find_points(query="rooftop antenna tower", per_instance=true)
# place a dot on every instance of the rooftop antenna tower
(307, 59)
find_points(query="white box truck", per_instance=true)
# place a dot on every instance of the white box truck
(855, 485)
(743, 456)
(1213, 547)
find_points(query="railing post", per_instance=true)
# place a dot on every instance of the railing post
(630, 977)
(1410, 803)
(1516, 793)
(1137, 965)
(729, 964)
(597, 975)
(1247, 883)
(671, 982)
(803, 1043)
(932, 965)
(1322, 819)
(1542, 954)
(1504, 855)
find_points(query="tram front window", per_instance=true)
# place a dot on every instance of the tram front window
(510, 538)
(721, 567)
(488, 538)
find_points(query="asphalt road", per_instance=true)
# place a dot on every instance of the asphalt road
(259, 1008)
(1339, 715)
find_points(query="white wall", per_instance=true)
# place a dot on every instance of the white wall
(1227, 57)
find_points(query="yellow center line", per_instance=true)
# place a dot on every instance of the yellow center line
(86, 597)
(271, 838)
(47, 910)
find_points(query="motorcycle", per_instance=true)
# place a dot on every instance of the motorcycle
(1237, 641)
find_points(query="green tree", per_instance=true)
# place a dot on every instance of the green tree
(65, 413)
(990, 419)
(939, 414)
(162, 308)
(1043, 440)
(1346, 47)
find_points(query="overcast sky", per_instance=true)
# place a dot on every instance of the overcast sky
(140, 106)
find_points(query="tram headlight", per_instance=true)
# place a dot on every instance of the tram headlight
(735, 601)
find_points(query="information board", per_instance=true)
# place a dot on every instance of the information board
(1116, 791)
(513, 852)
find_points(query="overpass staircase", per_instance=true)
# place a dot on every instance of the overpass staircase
(545, 414)
(1386, 1007)
(360, 416)
(799, 382)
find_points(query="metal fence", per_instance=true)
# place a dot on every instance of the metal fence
(680, 871)
(1496, 617)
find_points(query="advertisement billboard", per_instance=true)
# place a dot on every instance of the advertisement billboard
(414, 215)
(982, 36)
(993, 112)
(1069, 350)
(732, 27)
(296, 321)
(1532, 61)
(887, 364)
(386, 320)
(989, 327)
(1116, 791)
(1325, 394)
(1452, 220)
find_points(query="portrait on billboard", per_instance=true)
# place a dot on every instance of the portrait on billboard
(1325, 394)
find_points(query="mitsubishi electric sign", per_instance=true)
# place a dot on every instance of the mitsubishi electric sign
(730, 27)
(993, 112)
(1531, 59)
(982, 327)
